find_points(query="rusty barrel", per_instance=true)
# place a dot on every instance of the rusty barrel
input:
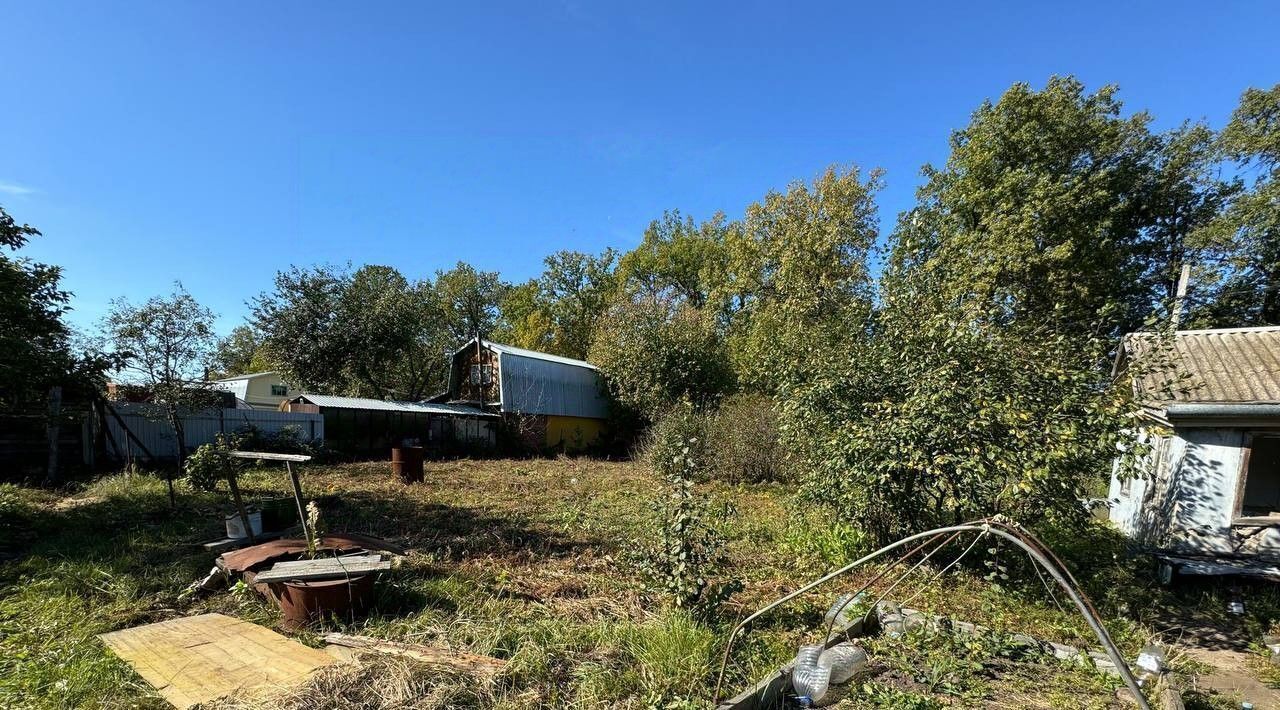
(406, 463)
(305, 602)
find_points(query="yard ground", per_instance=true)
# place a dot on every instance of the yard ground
(533, 561)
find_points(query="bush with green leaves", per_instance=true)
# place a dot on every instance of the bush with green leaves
(939, 419)
(209, 463)
(743, 443)
(688, 552)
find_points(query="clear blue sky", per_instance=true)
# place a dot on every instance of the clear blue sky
(217, 142)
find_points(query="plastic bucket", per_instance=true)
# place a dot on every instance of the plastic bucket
(235, 526)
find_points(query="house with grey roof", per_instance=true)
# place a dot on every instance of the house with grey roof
(1208, 499)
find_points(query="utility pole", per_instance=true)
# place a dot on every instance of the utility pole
(1178, 300)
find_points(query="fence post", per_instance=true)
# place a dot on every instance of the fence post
(53, 429)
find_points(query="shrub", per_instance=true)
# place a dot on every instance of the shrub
(743, 441)
(688, 551)
(208, 464)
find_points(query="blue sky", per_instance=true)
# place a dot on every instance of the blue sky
(217, 142)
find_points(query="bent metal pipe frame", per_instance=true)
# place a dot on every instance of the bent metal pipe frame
(1022, 539)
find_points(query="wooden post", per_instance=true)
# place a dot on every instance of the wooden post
(1179, 299)
(53, 428)
(297, 498)
(235, 494)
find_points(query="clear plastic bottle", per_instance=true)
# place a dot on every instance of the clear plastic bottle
(811, 684)
(845, 660)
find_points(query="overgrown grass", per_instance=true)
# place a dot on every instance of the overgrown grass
(523, 560)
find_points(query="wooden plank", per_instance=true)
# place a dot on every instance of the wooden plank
(323, 568)
(268, 456)
(201, 658)
(231, 543)
(461, 660)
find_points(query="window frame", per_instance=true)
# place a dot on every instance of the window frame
(1238, 518)
(279, 390)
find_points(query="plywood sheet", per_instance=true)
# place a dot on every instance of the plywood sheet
(199, 658)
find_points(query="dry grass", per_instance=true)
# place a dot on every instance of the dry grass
(529, 561)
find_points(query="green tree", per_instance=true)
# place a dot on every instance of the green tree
(575, 290)
(523, 318)
(1037, 217)
(306, 339)
(796, 280)
(370, 333)
(168, 342)
(939, 419)
(470, 300)
(1185, 195)
(677, 261)
(239, 353)
(653, 355)
(34, 341)
(1247, 234)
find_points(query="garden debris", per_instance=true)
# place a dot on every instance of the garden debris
(200, 658)
(323, 568)
(247, 559)
(460, 660)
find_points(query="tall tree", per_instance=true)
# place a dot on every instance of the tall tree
(34, 350)
(470, 300)
(305, 336)
(1036, 218)
(1184, 196)
(1248, 232)
(796, 279)
(168, 341)
(370, 333)
(677, 261)
(524, 320)
(239, 353)
(575, 289)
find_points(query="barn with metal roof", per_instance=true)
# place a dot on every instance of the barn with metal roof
(554, 402)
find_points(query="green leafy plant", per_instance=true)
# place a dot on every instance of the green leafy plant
(209, 463)
(688, 551)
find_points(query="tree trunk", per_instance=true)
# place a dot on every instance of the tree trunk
(176, 423)
(54, 429)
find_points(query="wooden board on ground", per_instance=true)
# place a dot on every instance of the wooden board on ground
(324, 568)
(200, 658)
(347, 647)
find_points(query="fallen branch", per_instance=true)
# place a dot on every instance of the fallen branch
(461, 660)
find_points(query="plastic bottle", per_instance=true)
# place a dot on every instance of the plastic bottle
(845, 661)
(811, 684)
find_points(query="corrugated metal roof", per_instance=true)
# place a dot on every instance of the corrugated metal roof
(246, 376)
(1224, 365)
(327, 400)
(534, 354)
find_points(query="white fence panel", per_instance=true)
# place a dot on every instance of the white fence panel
(147, 424)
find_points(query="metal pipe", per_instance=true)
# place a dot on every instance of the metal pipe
(1033, 548)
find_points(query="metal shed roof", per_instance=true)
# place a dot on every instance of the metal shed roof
(326, 400)
(1227, 365)
(531, 382)
(522, 352)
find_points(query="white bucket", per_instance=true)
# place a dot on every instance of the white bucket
(235, 528)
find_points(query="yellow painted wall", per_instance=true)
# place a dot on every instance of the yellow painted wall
(573, 433)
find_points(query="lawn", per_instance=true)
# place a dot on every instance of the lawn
(528, 560)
